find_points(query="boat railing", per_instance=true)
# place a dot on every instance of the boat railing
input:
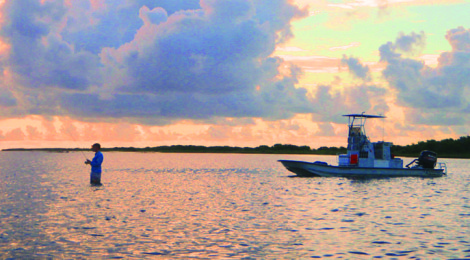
(442, 166)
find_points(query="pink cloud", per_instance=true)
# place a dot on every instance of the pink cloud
(14, 135)
(315, 63)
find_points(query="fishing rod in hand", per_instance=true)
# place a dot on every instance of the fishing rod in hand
(70, 134)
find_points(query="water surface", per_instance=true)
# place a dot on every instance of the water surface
(223, 206)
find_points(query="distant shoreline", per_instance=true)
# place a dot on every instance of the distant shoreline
(448, 148)
(263, 149)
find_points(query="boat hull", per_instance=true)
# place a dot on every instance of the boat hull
(308, 169)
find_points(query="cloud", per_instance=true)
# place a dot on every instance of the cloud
(14, 135)
(315, 64)
(326, 129)
(152, 61)
(330, 102)
(38, 57)
(290, 49)
(439, 95)
(356, 68)
(342, 48)
(276, 99)
(33, 133)
(7, 99)
(114, 23)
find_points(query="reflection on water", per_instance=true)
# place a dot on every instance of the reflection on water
(179, 206)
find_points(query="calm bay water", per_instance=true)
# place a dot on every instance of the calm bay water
(223, 206)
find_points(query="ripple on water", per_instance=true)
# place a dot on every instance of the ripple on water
(208, 206)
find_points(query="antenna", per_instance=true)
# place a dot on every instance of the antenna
(383, 129)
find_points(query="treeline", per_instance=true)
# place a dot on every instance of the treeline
(450, 148)
(264, 149)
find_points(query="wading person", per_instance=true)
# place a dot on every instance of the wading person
(95, 176)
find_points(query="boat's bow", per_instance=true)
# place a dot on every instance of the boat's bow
(303, 169)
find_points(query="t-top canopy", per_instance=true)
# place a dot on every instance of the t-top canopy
(364, 116)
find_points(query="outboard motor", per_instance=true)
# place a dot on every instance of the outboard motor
(427, 159)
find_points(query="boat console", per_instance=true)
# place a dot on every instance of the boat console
(362, 152)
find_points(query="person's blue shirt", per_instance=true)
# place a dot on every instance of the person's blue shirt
(96, 162)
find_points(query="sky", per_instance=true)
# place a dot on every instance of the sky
(231, 72)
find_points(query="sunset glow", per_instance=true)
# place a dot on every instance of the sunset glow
(237, 73)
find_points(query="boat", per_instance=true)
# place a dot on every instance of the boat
(366, 159)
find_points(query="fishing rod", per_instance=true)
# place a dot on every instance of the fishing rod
(70, 134)
(60, 110)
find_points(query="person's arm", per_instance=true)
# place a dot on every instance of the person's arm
(97, 160)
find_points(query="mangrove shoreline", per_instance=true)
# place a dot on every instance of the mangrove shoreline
(447, 148)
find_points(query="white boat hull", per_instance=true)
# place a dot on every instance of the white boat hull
(308, 169)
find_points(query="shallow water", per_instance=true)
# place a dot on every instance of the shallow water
(223, 206)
